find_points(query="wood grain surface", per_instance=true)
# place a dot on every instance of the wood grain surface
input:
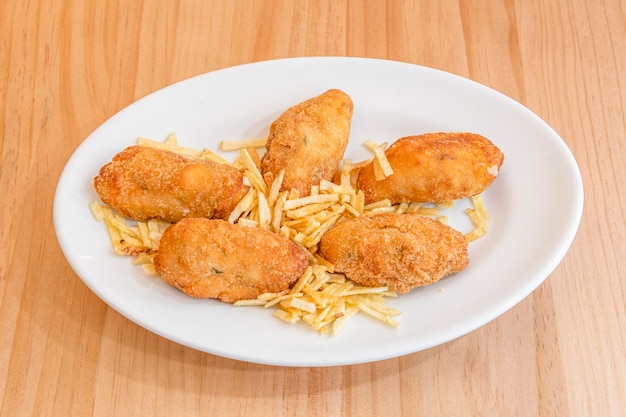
(67, 66)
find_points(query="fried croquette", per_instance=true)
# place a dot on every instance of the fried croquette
(211, 258)
(308, 141)
(400, 251)
(434, 167)
(145, 183)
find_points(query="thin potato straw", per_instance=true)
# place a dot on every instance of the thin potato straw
(382, 167)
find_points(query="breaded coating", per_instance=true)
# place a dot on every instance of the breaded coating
(400, 251)
(308, 141)
(434, 167)
(207, 258)
(146, 183)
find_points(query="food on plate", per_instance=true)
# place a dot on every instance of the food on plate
(298, 227)
(212, 258)
(143, 183)
(400, 251)
(308, 141)
(433, 167)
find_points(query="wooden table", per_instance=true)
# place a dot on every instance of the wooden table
(66, 67)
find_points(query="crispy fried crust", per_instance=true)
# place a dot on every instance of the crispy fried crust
(434, 167)
(146, 183)
(401, 251)
(215, 259)
(308, 141)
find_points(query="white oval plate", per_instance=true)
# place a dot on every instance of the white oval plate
(535, 204)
